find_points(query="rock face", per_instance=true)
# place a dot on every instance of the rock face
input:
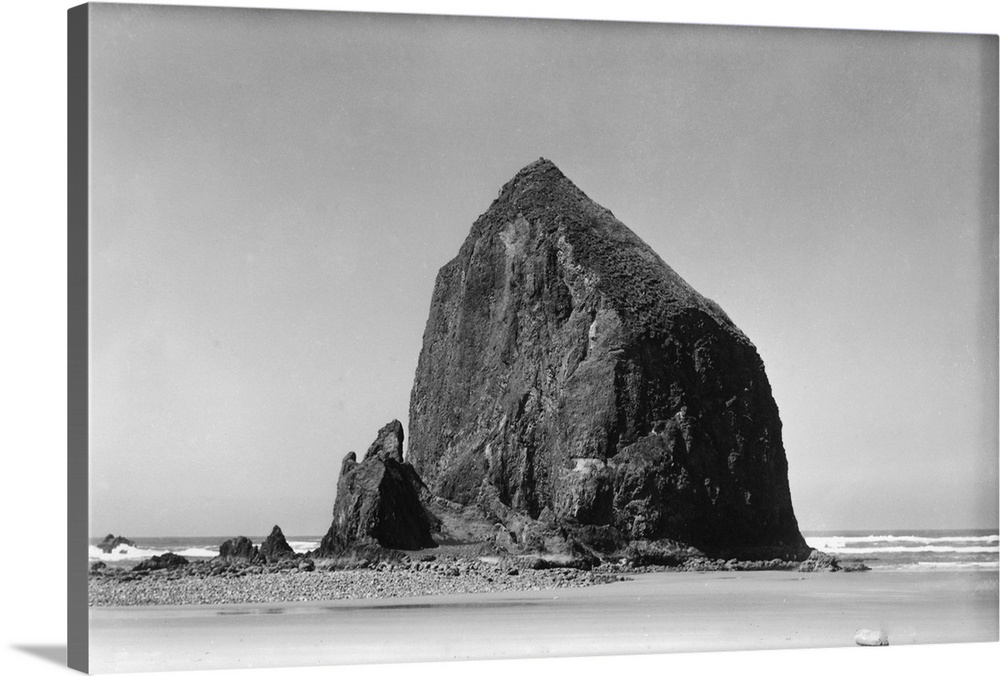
(275, 547)
(569, 373)
(239, 549)
(110, 542)
(168, 560)
(378, 500)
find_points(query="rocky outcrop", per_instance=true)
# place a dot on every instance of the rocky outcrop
(570, 375)
(239, 550)
(110, 542)
(821, 562)
(161, 561)
(275, 547)
(378, 501)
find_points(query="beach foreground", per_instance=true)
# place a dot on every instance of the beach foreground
(651, 613)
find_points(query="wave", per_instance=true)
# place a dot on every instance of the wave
(303, 546)
(987, 565)
(931, 549)
(198, 552)
(936, 566)
(128, 552)
(117, 554)
(847, 542)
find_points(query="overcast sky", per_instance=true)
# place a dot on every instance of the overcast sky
(274, 192)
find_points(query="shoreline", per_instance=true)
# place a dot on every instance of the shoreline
(657, 612)
(292, 585)
(305, 579)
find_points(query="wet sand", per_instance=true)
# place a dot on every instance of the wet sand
(653, 613)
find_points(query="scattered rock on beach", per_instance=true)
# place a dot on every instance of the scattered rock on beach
(239, 549)
(108, 544)
(218, 582)
(159, 562)
(853, 566)
(819, 562)
(276, 547)
(871, 637)
(822, 562)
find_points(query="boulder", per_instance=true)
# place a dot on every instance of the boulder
(110, 542)
(871, 637)
(378, 502)
(275, 547)
(818, 561)
(168, 560)
(853, 566)
(239, 550)
(658, 553)
(566, 368)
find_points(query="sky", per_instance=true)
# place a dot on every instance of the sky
(273, 192)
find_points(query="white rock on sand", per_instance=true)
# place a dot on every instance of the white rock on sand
(871, 637)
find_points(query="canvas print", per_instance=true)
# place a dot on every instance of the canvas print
(449, 338)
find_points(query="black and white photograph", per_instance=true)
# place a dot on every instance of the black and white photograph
(402, 338)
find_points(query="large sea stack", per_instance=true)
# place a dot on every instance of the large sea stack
(569, 376)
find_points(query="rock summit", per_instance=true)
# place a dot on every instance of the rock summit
(570, 377)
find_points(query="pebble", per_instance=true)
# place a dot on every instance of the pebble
(205, 582)
(163, 588)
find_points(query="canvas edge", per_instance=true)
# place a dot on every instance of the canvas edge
(77, 252)
(989, 340)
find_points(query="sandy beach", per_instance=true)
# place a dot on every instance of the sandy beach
(651, 613)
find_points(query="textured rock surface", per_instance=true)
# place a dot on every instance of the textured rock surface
(168, 560)
(239, 549)
(379, 500)
(570, 374)
(275, 547)
(110, 541)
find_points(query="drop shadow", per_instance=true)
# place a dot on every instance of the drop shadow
(50, 653)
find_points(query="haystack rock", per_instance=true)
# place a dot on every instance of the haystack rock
(568, 375)
(378, 500)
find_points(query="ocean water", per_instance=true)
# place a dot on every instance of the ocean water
(192, 548)
(913, 550)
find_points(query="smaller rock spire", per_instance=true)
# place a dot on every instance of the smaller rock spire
(388, 443)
